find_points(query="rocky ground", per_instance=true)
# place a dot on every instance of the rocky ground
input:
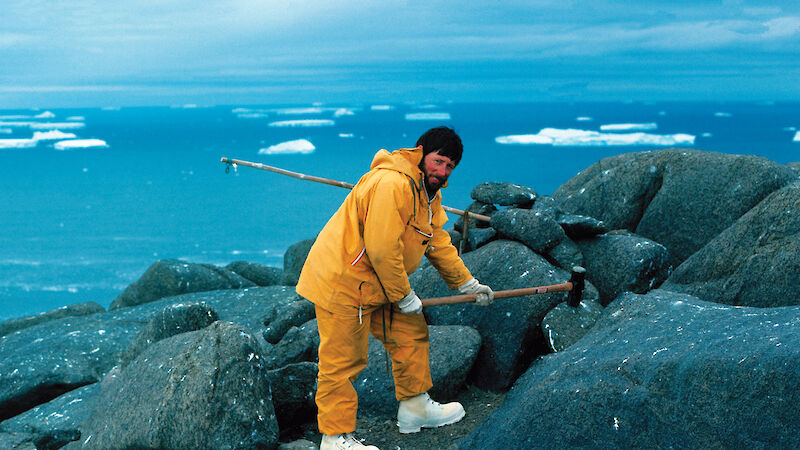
(383, 433)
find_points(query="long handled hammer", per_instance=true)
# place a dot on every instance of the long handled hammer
(574, 286)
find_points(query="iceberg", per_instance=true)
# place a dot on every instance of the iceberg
(723, 114)
(574, 137)
(796, 137)
(303, 123)
(53, 135)
(45, 115)
(5, 131)
(428, 116)
(343, 112)
(381, 107)
(298, 146)
(628, 126)
(43, 125)
(17, 143)
(285, 111)
(346, 135)
(584, 119)
(80, 143)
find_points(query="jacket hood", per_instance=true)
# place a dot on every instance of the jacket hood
(405, 161)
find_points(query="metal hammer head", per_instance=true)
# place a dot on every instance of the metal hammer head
(575, 294)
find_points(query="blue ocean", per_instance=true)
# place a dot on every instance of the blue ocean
(92, 197)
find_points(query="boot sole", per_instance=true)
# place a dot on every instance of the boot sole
(408, 429)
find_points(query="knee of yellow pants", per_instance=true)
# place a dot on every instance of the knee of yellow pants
(342, 356)
(406, 341)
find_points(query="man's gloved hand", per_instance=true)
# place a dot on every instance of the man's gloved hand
(410, 304)
(485, 294)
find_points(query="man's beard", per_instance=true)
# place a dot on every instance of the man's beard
(432, 187)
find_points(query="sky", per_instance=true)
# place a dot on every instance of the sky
(93, 53)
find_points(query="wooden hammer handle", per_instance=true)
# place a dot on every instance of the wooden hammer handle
(469, 298)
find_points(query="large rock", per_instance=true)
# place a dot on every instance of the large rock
(291, 315)
(453, 350)
(40, 363)
(63, 414)
(293, 388)
(293, 261)
(510, 327)
(678, 198)
(202, 389)
(755, 262)
(539, 231)
(565, 325)
(172, 320)
(620, 262)
(78, 309)
(299, 344)
(504, 194)
(259, 274)
(169, 277)
(661, 370)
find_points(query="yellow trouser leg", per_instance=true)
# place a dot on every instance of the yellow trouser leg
(406, 341)
(343, 349)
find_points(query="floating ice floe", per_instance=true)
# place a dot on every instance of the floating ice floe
(303, 123)
(428, 116)
(43, 125)
(584, 119)
(76, 118)
(706, 135)
(574, 137)
(723, 114)
(80, 143)
(629, 126)
(17, 143)
(346, 135)
(5, 131)
(295, 111)
(381, 107)
(298, 146)
(45, 115)
(796, 137)
(53, 135)
(344, 112)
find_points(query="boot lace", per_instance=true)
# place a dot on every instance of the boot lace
(349, 441)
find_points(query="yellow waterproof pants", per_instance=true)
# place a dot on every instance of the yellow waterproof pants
(343, 348)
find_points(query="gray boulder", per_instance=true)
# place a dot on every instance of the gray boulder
(259, 274)
(172, 320)
(504, 194)
(619, 262)
(510, 327)
(62, 415)
(40, 363)
(581, 227)
(565, 325)
(298, 344)
(293, 261)
(78, 309)
(481, 208)
(453, 350)
(293, 388)
(478, 237)
(661, 370)
(169, 277)
(539, 231)
(566, 255)
(679, 198)
(201, 389)
(755, 262)
(292, 315)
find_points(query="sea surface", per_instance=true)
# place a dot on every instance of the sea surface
(92, 197)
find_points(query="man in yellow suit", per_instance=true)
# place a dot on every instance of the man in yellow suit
(356, 274)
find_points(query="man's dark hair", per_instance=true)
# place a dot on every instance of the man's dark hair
(444, 140)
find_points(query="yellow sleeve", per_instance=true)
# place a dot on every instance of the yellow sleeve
(387, 212)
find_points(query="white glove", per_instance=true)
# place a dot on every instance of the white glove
(485, 294)
(410, 304)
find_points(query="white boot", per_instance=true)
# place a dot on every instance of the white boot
(344, 441)
(422, 412)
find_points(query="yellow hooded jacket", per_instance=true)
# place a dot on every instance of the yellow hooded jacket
(364, 254)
